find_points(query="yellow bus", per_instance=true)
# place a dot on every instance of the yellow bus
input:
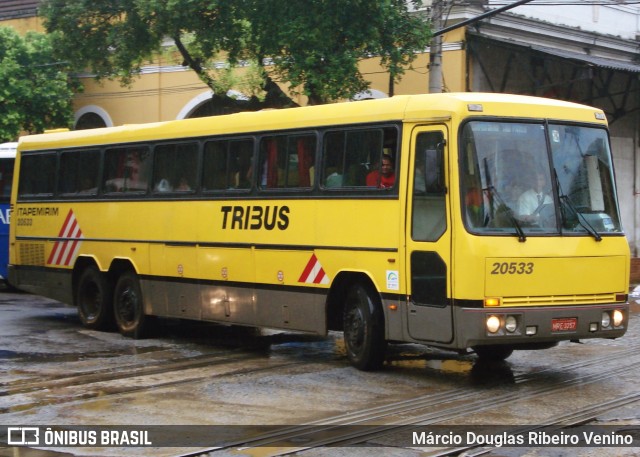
(484, 222)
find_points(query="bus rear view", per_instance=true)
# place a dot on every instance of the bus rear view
(7, 159)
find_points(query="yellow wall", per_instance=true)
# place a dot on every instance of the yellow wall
(24, 25)
(153, 97)
(165, 90)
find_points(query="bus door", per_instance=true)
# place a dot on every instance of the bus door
(429, 239)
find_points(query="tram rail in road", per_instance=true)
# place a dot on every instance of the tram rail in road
(600, 366)
(358, 427)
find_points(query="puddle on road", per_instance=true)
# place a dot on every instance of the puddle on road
(47, 357)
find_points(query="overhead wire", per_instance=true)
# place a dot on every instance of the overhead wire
(572, 2)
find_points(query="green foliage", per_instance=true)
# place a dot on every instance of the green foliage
(35, 92)
(312, 46)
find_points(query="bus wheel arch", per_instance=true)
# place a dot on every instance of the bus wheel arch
(355, 300)
(128, 303)
(92, 294)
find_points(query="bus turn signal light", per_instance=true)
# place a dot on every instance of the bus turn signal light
(491, 302)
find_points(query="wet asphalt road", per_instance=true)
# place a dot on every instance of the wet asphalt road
(54, 372)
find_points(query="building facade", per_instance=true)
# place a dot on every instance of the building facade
(583, 52)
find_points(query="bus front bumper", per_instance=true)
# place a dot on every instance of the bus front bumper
(543, 324)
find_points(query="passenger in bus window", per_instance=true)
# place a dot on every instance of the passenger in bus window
(163, 186)
(333, 169)
(334, 179)
(183, 185)
(385, 177)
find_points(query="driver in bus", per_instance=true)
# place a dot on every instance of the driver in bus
(534, 199)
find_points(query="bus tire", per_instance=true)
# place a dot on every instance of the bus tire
(493, 353)
(128, 306)
(93, 298)
(364, 328)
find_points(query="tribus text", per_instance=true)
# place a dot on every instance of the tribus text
(255, 217)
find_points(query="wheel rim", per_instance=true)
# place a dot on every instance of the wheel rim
(355, 327)
(128, 306)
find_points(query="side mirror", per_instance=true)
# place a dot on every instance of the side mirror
(434, 169)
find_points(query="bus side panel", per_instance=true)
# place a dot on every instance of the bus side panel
(48, 282)
(280, 305)
(227, 284)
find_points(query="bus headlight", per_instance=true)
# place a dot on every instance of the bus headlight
(511, 324)
(493, 324)
(605, 320)
(618, 317)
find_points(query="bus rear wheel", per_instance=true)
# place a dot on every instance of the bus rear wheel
(128, 305)
(493, 353)
(364, 328)
(93, 297)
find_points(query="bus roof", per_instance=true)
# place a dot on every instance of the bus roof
(8, 150)
(398, 108)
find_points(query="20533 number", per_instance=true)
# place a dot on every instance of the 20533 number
(512, 268)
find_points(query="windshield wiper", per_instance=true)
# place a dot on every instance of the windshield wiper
(521, 236)
(581, 219)
(579, 216)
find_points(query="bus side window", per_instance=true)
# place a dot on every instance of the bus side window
(301, 155)
(272, 162)
(428, 217)
(332, 159)
(352, 158)
(240, 160)
(174, 167)
(360, 147)
(286, 161)
(215, 165)
(6, 178)
(127, 170)
(79, 172)
(37, 174)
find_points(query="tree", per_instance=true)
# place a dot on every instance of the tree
(310, 47)
(35, 92)
(316, 45)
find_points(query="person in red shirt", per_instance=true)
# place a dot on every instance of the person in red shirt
(385, 177)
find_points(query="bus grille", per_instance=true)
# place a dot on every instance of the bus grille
(31, 254)
(555, 300)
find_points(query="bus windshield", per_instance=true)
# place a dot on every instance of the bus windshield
(528, 179)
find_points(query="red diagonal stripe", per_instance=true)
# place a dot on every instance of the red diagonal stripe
(319, 277)
(66, 222)
(57, 245)
(65, 244)
(308, 268)
(69, 229)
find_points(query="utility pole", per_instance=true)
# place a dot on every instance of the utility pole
(438, 23)
(435, 48)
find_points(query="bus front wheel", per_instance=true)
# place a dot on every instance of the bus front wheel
(364, 328)
(93, 297)
(128, 305)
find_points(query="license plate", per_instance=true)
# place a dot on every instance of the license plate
(564, 325)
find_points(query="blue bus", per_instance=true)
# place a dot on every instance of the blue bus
(7, 158)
